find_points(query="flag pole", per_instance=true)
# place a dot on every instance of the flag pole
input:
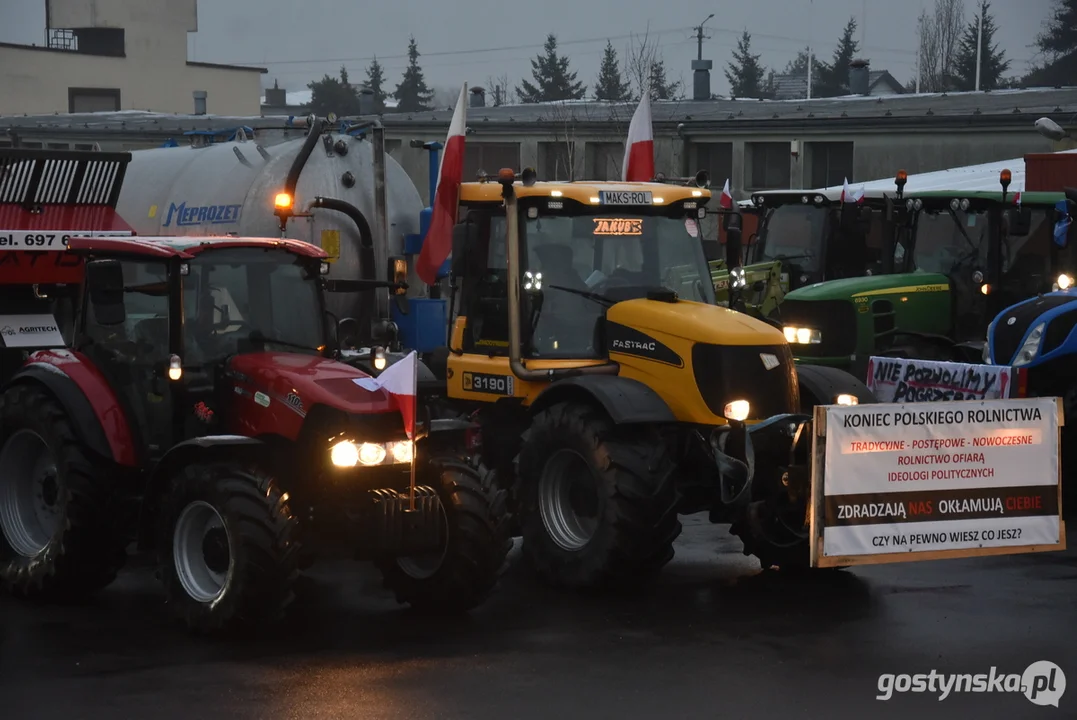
(414, 428)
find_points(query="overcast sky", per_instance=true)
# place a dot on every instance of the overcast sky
(471, 40)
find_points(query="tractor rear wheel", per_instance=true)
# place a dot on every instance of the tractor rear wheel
(599, 503)
(60, 538)
(463, 573)
(226, 552)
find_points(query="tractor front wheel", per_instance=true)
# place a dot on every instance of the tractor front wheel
(599, 504)
(60, 534)
(463, 573)
(227, 556)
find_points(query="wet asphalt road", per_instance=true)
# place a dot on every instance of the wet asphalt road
(713, 638)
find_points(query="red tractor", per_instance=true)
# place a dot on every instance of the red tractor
(199, 408)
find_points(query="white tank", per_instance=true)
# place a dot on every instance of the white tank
(230, 188)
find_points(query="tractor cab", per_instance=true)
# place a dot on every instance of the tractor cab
(995, 250)
(175, 324)
(583, 246)
(816, 236)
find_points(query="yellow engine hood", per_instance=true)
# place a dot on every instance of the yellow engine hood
(695, 322)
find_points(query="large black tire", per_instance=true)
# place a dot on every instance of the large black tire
(634, 508)
(259, 565)
(85, 547)
(478, 542)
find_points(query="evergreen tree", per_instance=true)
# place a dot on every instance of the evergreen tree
(553, 80)
(375, 80)
(834, 76)
(332, 95)
(745, 74)
(610, 86)
(1059, 37)
(661, 87)
(412, 94)
(993, 62)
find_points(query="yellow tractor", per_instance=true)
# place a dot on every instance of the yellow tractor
(612, 393)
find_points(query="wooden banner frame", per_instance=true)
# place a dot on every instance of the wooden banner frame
(817, 505)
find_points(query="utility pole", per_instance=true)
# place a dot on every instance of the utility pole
(919, 46)
(979, 45)
(700, 37)
(811, 14)
(864, 28)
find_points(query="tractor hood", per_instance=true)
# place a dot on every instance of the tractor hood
(693, 321)
(847, 288)
(302, 381)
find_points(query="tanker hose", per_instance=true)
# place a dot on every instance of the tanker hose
(290, 182)
(366, 237)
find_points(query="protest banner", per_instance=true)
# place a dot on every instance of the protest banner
(907, 482)
(910, 380)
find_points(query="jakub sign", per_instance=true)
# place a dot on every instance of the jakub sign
(906, 482)
(902, 380)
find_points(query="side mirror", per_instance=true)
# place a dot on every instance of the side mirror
(464, 237)
(1071, 196)
(104, 278)
(348, 334)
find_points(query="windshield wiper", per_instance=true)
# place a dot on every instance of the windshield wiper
(597, 297)
(260, 337)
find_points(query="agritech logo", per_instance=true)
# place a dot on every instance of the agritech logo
(1042, 683)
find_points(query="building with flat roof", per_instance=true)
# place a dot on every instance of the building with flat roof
(757, 144)
(112, 55)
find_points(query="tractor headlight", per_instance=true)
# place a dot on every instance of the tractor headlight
(846, 399)
(736, 278)
(344, 454)
(402, 451)
(1064, 282)
(372, 454)
(1031, 346)
(802, 335)
(737, 410)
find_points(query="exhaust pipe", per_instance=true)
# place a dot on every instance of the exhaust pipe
(512, 231)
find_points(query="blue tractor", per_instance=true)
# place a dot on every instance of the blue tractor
(1038, 336)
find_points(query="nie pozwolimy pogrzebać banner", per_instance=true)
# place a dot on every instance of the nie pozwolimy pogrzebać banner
(944, 476)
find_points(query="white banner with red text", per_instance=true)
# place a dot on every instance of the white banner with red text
(907, 380)
(950, 476)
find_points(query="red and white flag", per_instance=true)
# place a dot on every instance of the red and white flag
(639, 150)
(438, 242)
(400, 381)
(848, 195)
(725, 200)
(1017, 198)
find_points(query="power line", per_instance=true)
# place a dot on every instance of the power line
(472, 51)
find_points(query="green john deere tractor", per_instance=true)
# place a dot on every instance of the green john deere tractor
(951, 262)
(806, 237)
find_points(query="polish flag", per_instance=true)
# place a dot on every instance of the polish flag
(401, 382)
(725, 200)
(639, 151)
(848, 195)
(438, 242)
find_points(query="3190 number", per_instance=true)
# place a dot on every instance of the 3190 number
(492, 384)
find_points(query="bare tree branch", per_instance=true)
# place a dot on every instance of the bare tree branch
(499, 91)
(640, 56)
(940, 34)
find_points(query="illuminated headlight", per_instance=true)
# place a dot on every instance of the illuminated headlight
(737, 410)
(402, 451)
(532, 281)
(736, 278)
(1064, 282)
(846, 399)
(372, 454)
(802, 336)
(1031, 347)
(344, 454)
(323, 268)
